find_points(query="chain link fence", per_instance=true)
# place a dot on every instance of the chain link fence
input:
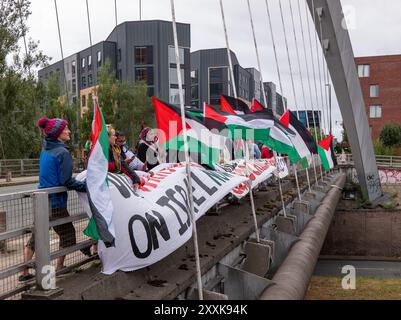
(28, 222)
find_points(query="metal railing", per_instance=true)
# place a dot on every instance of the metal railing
(27, 215)
(28, 167)
(381, 161)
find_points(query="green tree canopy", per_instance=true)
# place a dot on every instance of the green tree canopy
(391, 135)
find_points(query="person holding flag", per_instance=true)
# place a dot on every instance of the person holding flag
(56, 171)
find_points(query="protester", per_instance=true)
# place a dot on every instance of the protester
(256, 152)
(147, 150)
(266, 153)
(56, 171)
(116, 162)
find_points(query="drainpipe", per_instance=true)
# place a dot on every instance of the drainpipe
(293, 277)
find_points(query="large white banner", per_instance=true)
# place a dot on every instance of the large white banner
(258, 170)
(281, 165)
(155, 221)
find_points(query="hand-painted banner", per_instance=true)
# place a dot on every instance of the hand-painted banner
(282, 168)
(258, 170)
(155, 221)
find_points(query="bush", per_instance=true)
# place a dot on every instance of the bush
(391, 135)
(382, 150)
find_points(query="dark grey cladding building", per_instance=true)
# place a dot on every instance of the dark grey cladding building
(210, 77)
(138, 50)
(275, 100)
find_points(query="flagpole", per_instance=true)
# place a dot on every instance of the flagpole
(265, 101)
(245, 147)
(188, 166)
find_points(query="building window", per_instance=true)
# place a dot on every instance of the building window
(89, 62)
(119, 74)
(99, 58)
(175, 96)
(74, 100)
(143, 55)
(74, 85)
(374, 90)
(144, 74)
(83, 82)
(73, 68)
(151, 91)
(171, 55)
(119, 55)
(83, 101)
(217, 80)
(194, 89)
(174, 76)
(83, 63)
(375, 112)
(90, 80)
(364, 71)
(68, 68)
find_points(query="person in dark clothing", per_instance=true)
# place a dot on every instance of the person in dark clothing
(117, 163)
(56, 171)
(147, 151)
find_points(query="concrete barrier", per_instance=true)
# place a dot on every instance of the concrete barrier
(293, 276)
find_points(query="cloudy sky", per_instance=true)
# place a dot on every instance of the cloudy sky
(375, 30)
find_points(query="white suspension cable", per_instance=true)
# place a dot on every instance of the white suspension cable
(115, 11)
(325, 70)
(282, 95)
(62, 52)
(293, 89)
(245, 144)
(188, 165)
(233, 86)
(310, 89)
(315, 83)
(318, 65)
(302, 82)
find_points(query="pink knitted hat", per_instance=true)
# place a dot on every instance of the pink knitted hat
(52, 127)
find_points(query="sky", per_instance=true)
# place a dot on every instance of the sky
(375, 29)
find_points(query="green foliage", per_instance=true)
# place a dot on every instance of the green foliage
(20, 93)
(316, 132)
(364, 204)
(382, 150)
(134, 108)
(391, 135)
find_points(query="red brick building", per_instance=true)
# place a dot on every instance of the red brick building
(380, 78)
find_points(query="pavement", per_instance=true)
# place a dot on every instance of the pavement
(17, 181)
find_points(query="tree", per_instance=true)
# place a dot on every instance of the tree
(20, 93)
(391, 135)
(134, 109)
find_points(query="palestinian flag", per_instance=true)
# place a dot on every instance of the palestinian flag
(260, 126)
(203, 146)
(232, 105)
(256, 106)
(325, 153)
(301, 138)
(101, 223)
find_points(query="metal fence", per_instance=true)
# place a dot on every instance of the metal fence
(381, 161)
(24, 218)
(28, 167)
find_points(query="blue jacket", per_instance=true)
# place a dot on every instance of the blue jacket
(56, 171)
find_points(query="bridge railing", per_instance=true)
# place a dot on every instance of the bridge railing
(27, 217)
(27, 167)
(381, 160)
